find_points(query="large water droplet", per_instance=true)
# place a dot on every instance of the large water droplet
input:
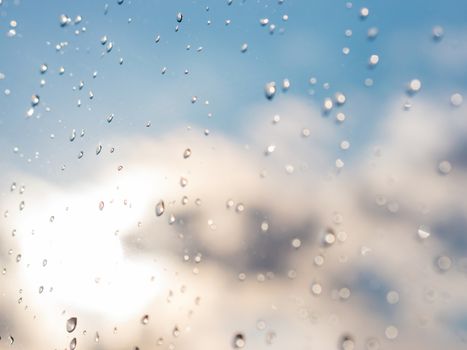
(71, 324)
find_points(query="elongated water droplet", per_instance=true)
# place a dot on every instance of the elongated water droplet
(73, 135)
(71, 324)
(160, 208)
(98, 149)
(110, 118)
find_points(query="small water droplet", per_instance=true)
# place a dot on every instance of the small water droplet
(437, 32)
(238, 341)
(145, 319)
(43, 68)
(160, 208)
(414, 86)
(179, 17)
(270, 90)
(21, 205)
(187, 153)
(110, 118)
(244, 47)
(73, 344)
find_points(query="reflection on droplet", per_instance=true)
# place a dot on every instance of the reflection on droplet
(71, 324)
(244, 47)
(238, 341)
(160, 208)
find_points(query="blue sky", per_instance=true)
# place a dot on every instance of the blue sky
(232, 82)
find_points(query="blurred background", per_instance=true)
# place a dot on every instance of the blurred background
(254, 174)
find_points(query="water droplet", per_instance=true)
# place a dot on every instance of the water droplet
(372, 344)
(187, 153)
(11, 339)
(80, 154)
(73, 344)
(110, 118)
(414, 86)
(264, 21)
(183, 181)
(444, 263)
(71, 324)
(423, 232)
(101, 205)
(456, 99)
(270, 90)
(372, 33)
(35, 100)
(160, 208)
(445, 167)
(244, 47)
(43, 68)
(344, 145)
(316, 288)
(109, 47)
(179, 17)
(97, 337)
(264, 226)
(238, 341)
(340, 98)
(392, 297)
(373, 60)
(176, 331)
(64, 20)
(21, 205)
(296, 243)
(285, 84)
(347, 343)
(145, 319)
(98, 149)
(391, 332)
(73, 135)
(437, 32)
(364, 12)
(327, 105)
